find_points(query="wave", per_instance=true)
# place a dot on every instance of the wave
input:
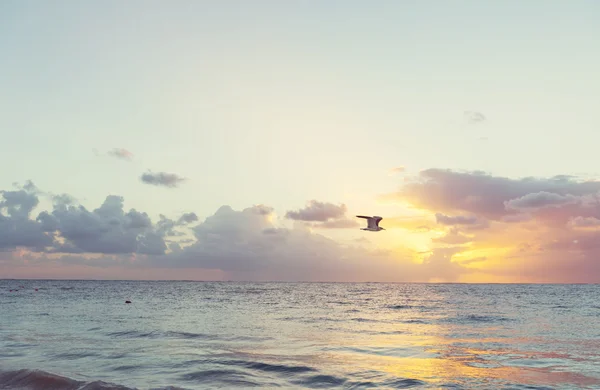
(37, 379)
(218, 373)
(222, 376)
(155, 334)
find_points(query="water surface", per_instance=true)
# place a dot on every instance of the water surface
(196, 335)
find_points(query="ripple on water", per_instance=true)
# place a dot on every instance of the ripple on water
(476, 318)
(221, 376)
(75, 355)
(276, 368)
(319, 381)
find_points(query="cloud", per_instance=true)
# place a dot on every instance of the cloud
(16, 227)
(327, 215)
(188, 218)
(458, 220)
(121, 153)
(482, 194)
(397, 170)
(245, 244)
(318, 211)
(527, 220)
(343, 223)
(516, 218)
(18, 204)
(550, 232)
(584, 223)
(164, 179)
(71, 228)
(467, 222)
(539, 200)
(474, 117)
(108, 229)
(453, 237)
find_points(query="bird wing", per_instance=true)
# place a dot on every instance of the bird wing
(370, 222)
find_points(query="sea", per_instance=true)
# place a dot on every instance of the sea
(209, 335)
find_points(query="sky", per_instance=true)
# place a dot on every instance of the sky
(238, 140)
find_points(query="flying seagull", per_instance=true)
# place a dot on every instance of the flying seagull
(373, 223)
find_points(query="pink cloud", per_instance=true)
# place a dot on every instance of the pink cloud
(555, 218)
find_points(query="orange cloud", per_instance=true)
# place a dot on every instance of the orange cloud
(533, 229)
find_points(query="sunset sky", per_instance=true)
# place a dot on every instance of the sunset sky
(237, 140)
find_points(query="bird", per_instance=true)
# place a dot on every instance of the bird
(373, 223)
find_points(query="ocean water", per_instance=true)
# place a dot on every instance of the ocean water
(198, 335)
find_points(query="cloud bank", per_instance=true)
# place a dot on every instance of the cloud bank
(475, 227)
(242, 244)
(531, 228)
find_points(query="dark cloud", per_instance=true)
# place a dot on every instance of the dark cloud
(121, 153)
(324, 215)
(167, 227)
(188, 218)
(18, 204)
(164, 179)
(32, 189)
(28, 187)
(71, 228)
(474, 117)
(318, 212)
(16, 227)
(107, 229)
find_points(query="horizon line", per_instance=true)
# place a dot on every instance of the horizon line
(287, 281)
